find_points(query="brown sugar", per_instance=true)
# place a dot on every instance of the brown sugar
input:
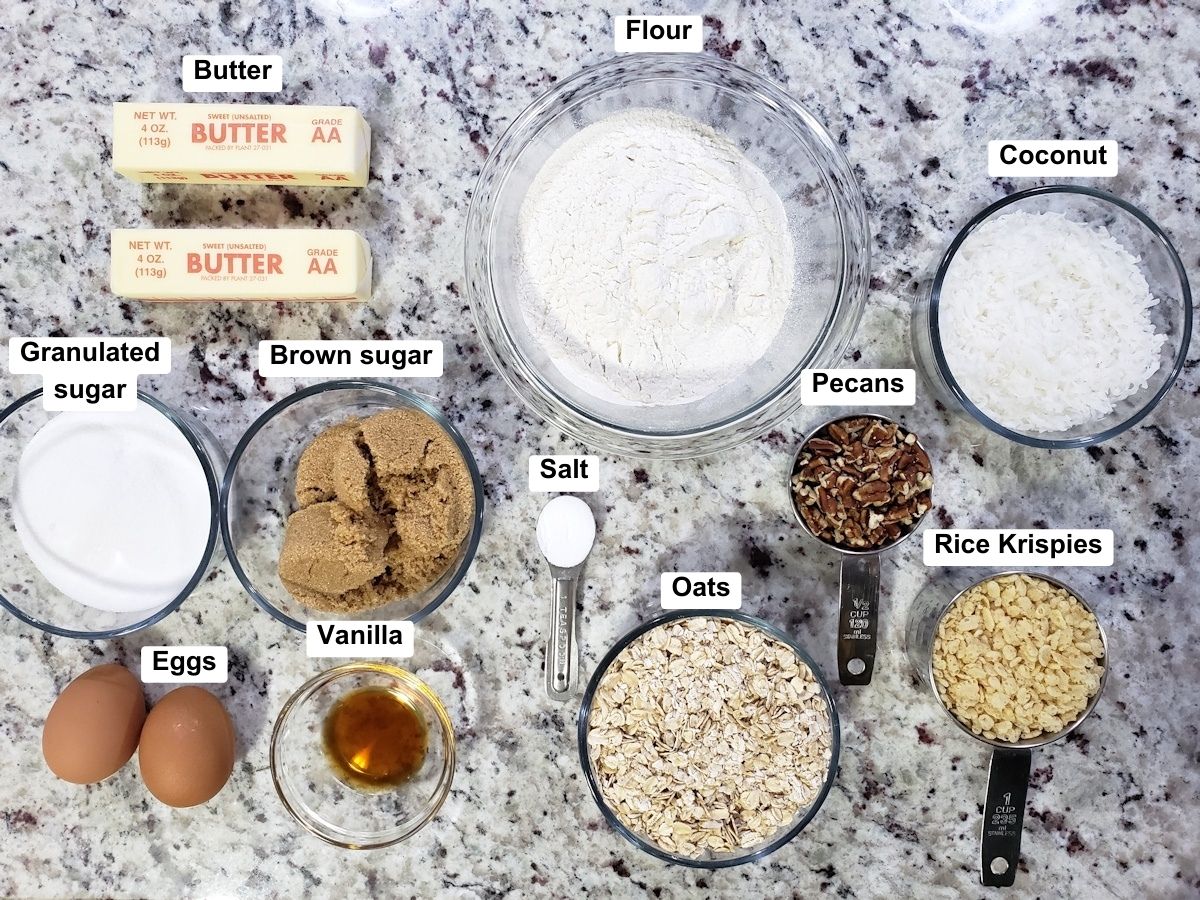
(385, 504)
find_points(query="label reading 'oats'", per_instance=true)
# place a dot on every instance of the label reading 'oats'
(701, 590)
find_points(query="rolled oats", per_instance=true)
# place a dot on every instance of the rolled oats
(1017, 657)
(708, 736)
(862, 483)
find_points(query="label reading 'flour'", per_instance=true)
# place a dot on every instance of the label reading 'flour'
(89, 373)
(1057, 159)
(858, 387)
(360, 638)
(1005, 547)
(229, 73)
(658, 34)
(564, 474)
(701, 590)
(349, 359)
(185, 665)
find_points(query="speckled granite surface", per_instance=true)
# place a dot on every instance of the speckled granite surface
(913, 91)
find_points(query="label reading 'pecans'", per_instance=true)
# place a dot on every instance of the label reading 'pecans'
(858, 387)
(701, 590)
(1007, 547)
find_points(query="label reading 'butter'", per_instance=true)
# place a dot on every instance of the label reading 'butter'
(240, 264)
(211, 73)
(350, 359)
(1006, 547)
(353, 638)
(207, 664)
(222, 143)
(701, 590)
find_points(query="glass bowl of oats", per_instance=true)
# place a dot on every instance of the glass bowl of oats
(708, 739)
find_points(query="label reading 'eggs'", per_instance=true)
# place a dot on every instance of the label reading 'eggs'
(701, 590)
(185, 665)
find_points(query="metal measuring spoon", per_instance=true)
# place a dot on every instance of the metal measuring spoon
(566, 530)
(1008, 772)
(858, 584)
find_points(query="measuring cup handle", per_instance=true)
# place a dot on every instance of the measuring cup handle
(1003, 814)
(560, 645)
(858, 621)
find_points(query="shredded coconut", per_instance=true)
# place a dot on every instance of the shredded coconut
(1046, 322)
(658, 258)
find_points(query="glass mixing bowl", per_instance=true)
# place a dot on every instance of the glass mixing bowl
(826, 215)
(323, 803)
(713, 860)
(259, 494)
(1160, 265)
(25, 592)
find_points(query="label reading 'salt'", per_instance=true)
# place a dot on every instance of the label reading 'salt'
(228, 73)
(350, 359)
(701, 590)
(658, 34)
(1057, 159)
(858, 387)
(185, 665)
(360, 638)
(564, 474)
(1005, 547)
(89, 373)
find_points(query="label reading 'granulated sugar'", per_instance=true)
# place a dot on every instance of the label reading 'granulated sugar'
(1058, 159)
(564, 474)
(701, 590)
(230, 73)
(658, 34)
(1003, 547)
(185, 665)
(89, 373)
(350, 359)
(858, 387)
(355, 638)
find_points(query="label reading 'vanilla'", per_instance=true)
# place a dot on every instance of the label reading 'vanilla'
(1006, 547)
(701, 590)
(357, 638)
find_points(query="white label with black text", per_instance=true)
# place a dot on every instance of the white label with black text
(1007, 547)
(43, 355)
(1057, 159)
(658, 34)
(81, 390)
(566, 474)
(230, 73)
(353, 638)
(185, 665)
(855, 387)
(701, 590)
(350, 359)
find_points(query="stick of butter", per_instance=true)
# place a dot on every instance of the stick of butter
(240, 264)
(230, 143)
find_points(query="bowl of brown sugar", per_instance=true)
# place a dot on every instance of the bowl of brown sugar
(351, 499)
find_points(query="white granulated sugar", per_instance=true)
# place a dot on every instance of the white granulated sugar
(658, 259)
(1046, 322)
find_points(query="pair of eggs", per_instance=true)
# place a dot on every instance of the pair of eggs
(185, 745)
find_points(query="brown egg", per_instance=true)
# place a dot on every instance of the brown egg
(92, 729)
(187, 748)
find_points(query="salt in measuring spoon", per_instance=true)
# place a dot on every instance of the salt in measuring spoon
(566, 530)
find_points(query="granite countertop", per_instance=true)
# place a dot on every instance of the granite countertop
(913, 91)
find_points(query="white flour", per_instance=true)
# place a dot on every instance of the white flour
(659, 260)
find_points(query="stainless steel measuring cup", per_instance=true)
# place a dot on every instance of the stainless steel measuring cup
(1008, 775)
(858, 583)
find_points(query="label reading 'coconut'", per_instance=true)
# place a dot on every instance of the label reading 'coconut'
(1052, 159)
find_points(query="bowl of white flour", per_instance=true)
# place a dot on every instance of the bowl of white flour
(658, 247)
